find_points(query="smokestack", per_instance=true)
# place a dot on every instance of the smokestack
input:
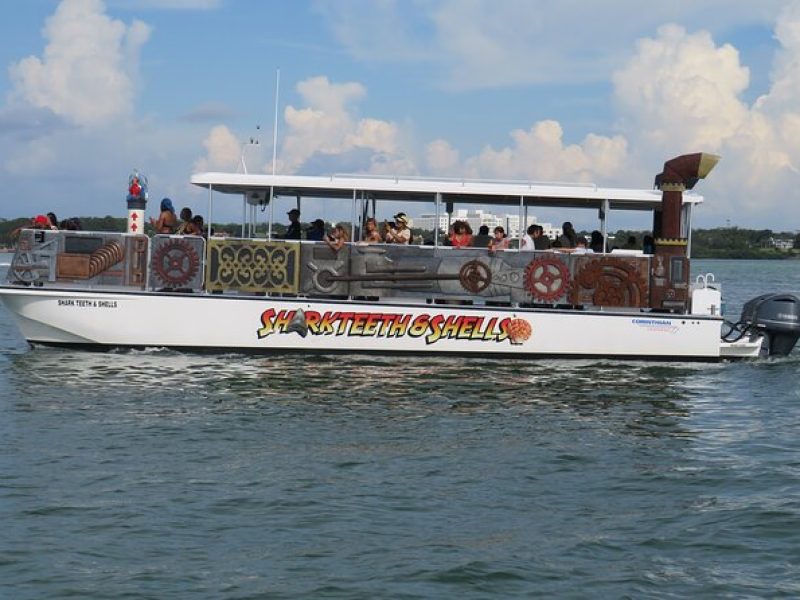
(679, 174)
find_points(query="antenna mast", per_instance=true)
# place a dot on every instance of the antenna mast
(274, 153)
(275, 124)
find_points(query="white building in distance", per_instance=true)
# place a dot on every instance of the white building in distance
(476, 218)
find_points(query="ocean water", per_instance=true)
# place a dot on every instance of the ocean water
(156, 474)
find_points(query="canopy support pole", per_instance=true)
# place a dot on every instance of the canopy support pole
(438, 204)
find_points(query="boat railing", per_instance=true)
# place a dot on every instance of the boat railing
(192, 264)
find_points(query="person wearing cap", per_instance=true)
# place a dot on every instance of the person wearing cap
(40, 222)
(400, 233)
(37, 222)
(294, 231)
(167, 222)
(316, 231)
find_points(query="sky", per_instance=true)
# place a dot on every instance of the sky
(542, 90)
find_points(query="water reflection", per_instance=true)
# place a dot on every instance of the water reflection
(636, 398)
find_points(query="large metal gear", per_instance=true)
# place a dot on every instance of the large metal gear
(475, 276)
(612, 282)
(175, 263)
(546, 278)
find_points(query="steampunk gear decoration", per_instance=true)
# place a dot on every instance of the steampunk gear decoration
(175, 263)
(547, 279)
(609, 282)
(475, 276)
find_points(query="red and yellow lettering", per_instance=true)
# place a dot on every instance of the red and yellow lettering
(266, 323)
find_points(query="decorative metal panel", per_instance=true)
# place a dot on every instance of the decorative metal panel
(177, 262)
(35, 258)
(66, 258)
(253, 266)
(611, 281)
(324, 270)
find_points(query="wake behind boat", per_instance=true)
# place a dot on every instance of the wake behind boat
(101, 289)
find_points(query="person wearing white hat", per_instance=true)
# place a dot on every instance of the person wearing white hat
(400, 233)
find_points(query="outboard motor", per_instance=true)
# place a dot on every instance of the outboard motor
(777, 318)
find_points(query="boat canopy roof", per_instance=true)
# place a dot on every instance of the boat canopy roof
(555, 194)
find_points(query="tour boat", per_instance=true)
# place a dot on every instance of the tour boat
(257, 293)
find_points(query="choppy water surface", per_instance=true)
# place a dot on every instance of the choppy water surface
(163, 475)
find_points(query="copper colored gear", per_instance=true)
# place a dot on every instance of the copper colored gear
(475, 276)
(546, 278)
(614, 281)
(175, 262)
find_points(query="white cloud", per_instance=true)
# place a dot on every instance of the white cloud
(328, 125)
(87, 71)
(441, 158)
(541, 154)
(682, 93)
(223, 151)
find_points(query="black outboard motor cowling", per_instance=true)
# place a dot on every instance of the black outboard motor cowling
(777, 317)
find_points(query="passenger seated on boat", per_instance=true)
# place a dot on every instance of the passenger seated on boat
(569, 237)
(337, 238)
(186, 227)
(528, 242)
(167, 222)
(400, 233)
(197, 225)
(580, 246)
(483, 239)
(71, 224)
(371, 233)
(499, 241)
(294, 231)
(53, 219)
(462, 235)
(540, 240)
(596, 241)
(316, 231)
(37, 222)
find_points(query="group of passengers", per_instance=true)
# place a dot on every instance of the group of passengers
(50, 222)
(167, 222)
(571, 241)
(396, 232)
(460, 236)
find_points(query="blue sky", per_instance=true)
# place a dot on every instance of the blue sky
(525, 89)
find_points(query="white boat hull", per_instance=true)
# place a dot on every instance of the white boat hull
(264, 324)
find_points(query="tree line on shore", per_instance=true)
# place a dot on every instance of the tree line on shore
(720, 242)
